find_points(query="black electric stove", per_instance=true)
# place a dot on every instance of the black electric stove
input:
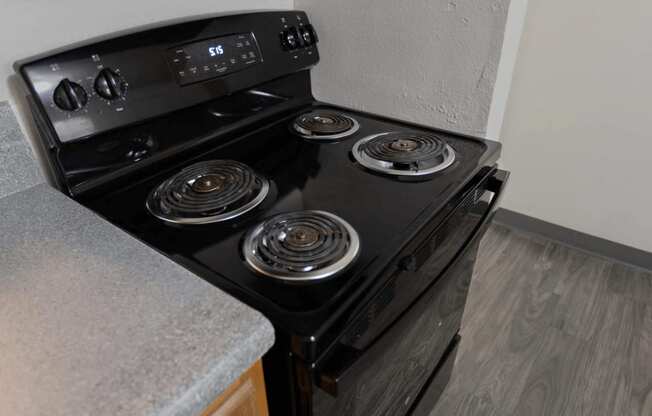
(354, 233)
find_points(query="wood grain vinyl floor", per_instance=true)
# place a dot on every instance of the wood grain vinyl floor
(551, 330)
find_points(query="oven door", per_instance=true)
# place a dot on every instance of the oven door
(387, 355)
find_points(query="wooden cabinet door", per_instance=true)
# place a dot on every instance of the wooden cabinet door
(245, 397)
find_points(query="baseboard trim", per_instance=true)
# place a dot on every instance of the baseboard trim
(582, 241)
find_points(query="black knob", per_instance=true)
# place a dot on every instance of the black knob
(109, 84)
(297, 34)
(305, 35)
(69, 95)
(290, 39)
(308, 35)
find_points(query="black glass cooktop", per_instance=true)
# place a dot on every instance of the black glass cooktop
(303, 175)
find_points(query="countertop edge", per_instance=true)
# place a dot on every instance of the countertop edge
(213, 385)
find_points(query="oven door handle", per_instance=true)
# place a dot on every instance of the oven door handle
(497, 183)
(342, 364)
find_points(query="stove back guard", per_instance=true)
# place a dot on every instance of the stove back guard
(144, 60)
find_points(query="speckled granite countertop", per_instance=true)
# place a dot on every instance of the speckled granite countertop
(94, 322)
(18, 169)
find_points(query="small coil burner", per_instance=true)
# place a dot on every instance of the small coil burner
(303, 246)
(208, 192)
(324, 125)
(404, 154)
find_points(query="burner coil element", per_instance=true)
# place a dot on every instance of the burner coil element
(207, 192)
(324, 125)
(303, 246)
(404, 154)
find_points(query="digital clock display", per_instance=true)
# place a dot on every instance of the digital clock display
(211, 58)
(216, 50)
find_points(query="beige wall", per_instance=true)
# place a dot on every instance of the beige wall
(577, 129)
(28, 27)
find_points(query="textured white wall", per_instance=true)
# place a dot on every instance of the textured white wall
(430, 61)
(28, 27)
(577, 129)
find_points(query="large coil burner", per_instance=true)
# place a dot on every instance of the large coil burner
(404, 153)
(303, 246)
(208, 192)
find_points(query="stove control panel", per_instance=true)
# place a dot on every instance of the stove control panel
(200, 61)
(103, 85)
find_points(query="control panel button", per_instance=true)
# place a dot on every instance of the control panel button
(70, 96)
(109, 84)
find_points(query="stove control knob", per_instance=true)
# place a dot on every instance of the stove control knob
(70, 96)
(290, 39)
(109, 84)
(306, 36)
(311, 34)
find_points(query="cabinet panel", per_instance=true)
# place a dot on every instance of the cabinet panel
(245, 397)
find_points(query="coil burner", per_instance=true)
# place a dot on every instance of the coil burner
(404, 154)
(208, 192)
(324, 125)
(303, 246)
